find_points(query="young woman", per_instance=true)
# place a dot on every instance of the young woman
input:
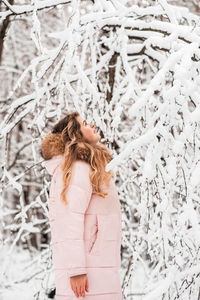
(84, 212)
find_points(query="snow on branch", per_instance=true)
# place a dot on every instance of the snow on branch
(25, 9)
(133, 71)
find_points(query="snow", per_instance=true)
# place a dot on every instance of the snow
(58, 56)
(139, 142)
(24, 278)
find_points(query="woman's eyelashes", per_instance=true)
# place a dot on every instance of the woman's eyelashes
(86, 123)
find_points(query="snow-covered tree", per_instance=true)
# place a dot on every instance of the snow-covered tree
(133, 68)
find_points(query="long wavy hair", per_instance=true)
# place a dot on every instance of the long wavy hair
(77, 148)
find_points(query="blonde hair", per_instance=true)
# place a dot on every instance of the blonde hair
(76, 148)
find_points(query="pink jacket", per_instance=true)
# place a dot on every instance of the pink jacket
(86, 234)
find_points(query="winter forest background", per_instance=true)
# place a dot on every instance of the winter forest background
(132, 68)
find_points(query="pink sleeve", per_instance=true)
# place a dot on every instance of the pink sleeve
(78, 196)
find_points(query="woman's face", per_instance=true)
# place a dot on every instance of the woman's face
(89, 132)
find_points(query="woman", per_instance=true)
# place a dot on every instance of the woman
(84, 212)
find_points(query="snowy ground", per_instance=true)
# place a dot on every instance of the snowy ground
(24, 278)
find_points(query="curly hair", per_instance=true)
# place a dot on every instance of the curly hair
(74, 147)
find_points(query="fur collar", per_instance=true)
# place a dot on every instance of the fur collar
(52, 145)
